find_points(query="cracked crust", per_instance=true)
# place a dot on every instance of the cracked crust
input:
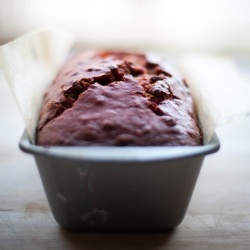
(116, 98)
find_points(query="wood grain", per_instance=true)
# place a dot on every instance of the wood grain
(218, 216)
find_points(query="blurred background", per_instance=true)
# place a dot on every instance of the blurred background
(179, 25)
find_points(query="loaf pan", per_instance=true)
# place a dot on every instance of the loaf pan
(119, 188)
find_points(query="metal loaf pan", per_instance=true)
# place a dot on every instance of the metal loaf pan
(119, 188)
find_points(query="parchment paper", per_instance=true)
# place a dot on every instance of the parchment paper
(220, 93)
(31, 62)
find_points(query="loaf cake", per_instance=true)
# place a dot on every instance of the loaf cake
(102, 98)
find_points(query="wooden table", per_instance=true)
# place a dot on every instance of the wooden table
(218, 216)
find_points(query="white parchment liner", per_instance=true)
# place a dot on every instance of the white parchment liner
(29, 64)
(220, 93)
(32, 61)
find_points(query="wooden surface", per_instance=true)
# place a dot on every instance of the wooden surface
(218, 216)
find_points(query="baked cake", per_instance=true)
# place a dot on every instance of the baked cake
(104, 98)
